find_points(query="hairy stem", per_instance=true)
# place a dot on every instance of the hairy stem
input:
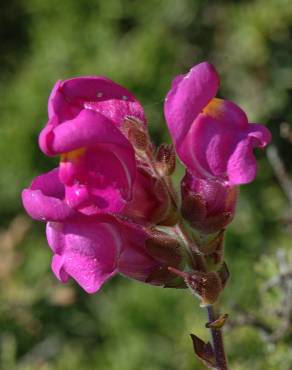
(217, 338)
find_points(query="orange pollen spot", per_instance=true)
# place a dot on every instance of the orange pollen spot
(73, 156)
(214, 108)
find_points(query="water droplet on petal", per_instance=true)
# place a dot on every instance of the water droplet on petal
(124, 97)
(99, 94)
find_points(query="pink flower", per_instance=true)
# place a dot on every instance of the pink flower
(90, 249)
(110, 185)
(208, 205)
(93, 249)
(99, 175)
(212, 136)
(98, 165)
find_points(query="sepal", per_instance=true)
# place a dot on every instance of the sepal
(206, 285)
(165, 160)
(224, 274)
(213, 249)
(168, 252)
(204, 351)
(164, 248)
(136, 133)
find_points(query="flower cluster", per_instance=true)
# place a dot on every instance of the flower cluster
(110, 205)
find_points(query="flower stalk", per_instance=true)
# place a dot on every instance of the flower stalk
(217, 339)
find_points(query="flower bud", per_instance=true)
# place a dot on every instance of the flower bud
(208, 205)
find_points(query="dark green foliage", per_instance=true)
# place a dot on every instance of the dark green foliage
(142, 45)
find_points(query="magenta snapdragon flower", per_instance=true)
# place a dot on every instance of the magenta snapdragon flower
(99, 182)
(212, 136)
(90, 249)
(97, 162)
(98, 166)
(215, 142)
(112, 189)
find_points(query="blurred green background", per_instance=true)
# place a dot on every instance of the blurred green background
(143, 45)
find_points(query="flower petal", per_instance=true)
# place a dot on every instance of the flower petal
(261, 134)
(95, 154)
(187, 97)
(49, 184)
(87, 129)
(43, 208)
(220, 142)
(98, 93)
(242, 166)
(43, 201)
(86, 251)
(97, 181)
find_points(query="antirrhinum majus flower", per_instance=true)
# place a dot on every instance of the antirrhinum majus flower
(213, 137)
(112, 188)
(98, 165)
(215, 142)
(100, 187)
(92, 248)
(111, 207)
